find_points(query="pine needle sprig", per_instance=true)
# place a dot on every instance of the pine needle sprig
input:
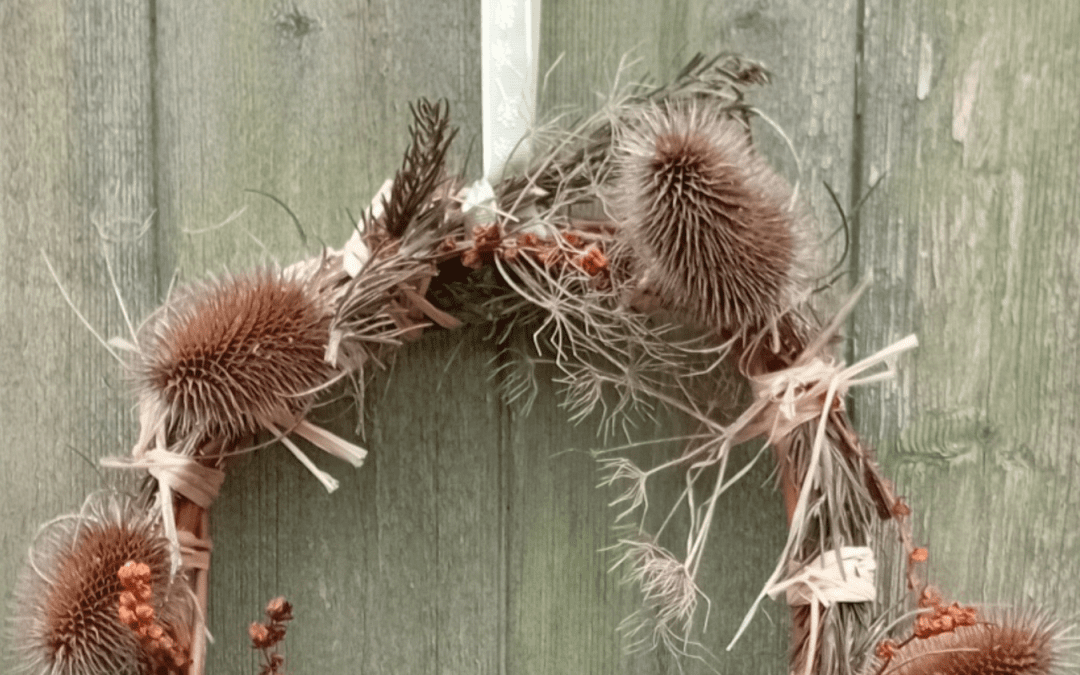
(422, 171)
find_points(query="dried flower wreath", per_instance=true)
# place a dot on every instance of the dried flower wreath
(643, 246)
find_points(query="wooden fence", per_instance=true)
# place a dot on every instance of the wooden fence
(130, 128)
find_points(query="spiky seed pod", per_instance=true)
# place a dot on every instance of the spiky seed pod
(223, 357)
(711, 222)
(1008, 643)
(67, 622)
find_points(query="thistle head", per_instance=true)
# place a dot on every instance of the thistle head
(714, 227)
(68, 620)
(222, 357)
(1009, 642)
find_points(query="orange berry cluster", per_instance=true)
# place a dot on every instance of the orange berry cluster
(943, 619)
(488, 241)
(137, 613)
(886, 650)
(266, 636)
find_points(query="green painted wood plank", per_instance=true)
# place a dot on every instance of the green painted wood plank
(308, 104)
(973, 243)
(399, 570)
(810, 51)
(75, 133)
(313, 111)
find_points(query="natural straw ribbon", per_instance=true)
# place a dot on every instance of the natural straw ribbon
(178, 473)
(846, 575)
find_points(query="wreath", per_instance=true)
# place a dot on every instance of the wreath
(645, 248)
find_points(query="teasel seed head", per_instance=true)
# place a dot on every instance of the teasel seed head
(1011, 642)
(223, 357)
(67, 620)
(713, 225)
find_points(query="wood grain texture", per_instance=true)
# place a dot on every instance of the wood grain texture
(973, 243)
(467, 544)
(76, 183)
(398, 571)
(809, 50)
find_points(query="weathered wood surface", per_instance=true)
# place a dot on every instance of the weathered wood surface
(465, 545)
(974, 243)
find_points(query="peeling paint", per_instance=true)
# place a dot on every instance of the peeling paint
(926, 67)
(964, 101)
(1009, 306)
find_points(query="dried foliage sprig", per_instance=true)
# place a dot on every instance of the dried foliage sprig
(422, 171)
(267, 635)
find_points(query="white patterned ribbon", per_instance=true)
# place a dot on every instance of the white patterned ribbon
(509, 49)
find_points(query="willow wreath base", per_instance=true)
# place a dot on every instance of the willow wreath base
(643, 247)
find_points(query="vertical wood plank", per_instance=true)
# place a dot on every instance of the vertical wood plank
(399, 570)
(970, 114)
(465, 545)
(76, 182)
(810, 50)
(307, 102)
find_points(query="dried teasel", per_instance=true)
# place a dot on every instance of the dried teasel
(229, 358)
(222, 357)
(67, 622)
(716, 229)
(1003, 642)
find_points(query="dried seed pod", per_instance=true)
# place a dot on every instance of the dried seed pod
(67, 621)
(1007, 643)
(223, 358)
(713, 225)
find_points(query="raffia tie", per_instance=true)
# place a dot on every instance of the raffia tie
(186, 476)
(793, 396)
(846, 575)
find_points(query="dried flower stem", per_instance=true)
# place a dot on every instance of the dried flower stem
(137, 613)
(267, 635)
